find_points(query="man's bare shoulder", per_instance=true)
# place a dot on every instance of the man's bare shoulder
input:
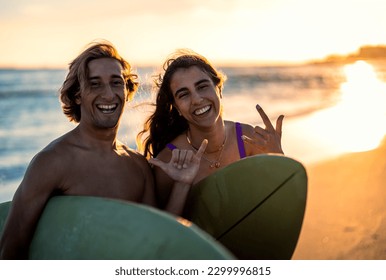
(57, 155)
(132, 154)
(137, 161)
(59, 148)
(47, 169)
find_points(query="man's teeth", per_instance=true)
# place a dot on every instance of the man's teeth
(107, 108)
(202, 110)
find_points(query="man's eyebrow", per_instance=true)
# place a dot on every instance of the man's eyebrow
(201, 81)
(112, 76)
(117, 76)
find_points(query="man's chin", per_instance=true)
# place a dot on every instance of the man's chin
(108, 124)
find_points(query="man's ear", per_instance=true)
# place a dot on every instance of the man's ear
(220, 91)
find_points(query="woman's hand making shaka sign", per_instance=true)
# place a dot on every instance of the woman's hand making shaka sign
(265, 140)
(184, 164)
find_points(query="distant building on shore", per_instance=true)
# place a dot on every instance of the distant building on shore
(372, 52)
(364, 53)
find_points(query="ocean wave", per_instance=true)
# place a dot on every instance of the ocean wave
(10, 173)
(23, 93)
(304, 77)
(30, 82)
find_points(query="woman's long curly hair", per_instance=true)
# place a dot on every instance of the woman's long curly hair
(77, 77)
(165, 124)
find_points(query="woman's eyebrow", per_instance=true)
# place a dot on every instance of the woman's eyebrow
(195, 84)
(180, 90)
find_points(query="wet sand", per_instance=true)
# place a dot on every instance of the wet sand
(346, 208)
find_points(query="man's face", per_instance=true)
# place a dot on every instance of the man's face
(103, 101)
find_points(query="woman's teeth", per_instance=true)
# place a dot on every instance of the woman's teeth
(202, 110)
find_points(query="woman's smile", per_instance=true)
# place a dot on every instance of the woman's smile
(202, 110)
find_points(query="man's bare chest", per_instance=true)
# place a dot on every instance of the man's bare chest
(115, 179)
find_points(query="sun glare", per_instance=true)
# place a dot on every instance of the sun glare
(362, 86)
(363, 105)
(357, 122)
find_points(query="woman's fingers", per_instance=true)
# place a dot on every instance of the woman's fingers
(202, 149)
(261, 131)
(182, 158)
(279, 124)
(188, 158)
(254, 141)
(265, 118)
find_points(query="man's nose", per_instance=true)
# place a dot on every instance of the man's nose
(108, 93)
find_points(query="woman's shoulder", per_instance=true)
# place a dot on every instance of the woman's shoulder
(243, 127)
(176, 143)
(180, 141)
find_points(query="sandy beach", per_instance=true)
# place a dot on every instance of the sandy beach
(346, 208)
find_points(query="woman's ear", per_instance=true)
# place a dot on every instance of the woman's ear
(174, 106)
(77, 98)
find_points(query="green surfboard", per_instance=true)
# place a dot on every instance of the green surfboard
(254, 207)
(80, 227)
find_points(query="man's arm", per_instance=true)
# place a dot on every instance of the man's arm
(149, 193)
(40, 180)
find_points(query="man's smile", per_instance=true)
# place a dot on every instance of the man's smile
(107, 108)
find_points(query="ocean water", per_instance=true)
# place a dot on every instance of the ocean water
(31, 114)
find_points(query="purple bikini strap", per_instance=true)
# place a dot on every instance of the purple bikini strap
(170, 146)
(240, 142)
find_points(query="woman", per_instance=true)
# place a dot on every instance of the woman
(188, 111)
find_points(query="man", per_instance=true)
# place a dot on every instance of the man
(88, 160)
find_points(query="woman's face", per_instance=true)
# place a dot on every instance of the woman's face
(196, 97)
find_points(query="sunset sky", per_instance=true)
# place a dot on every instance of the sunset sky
(49, 33)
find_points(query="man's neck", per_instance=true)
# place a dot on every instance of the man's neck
(98, 138)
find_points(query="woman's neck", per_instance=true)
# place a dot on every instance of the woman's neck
(216, 136)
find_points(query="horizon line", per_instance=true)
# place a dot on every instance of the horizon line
(218, 64)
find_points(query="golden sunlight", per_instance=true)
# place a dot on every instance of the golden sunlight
(357, 122)
(362, 86)
(363, 106)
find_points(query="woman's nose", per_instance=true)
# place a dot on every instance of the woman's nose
(196, 97)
